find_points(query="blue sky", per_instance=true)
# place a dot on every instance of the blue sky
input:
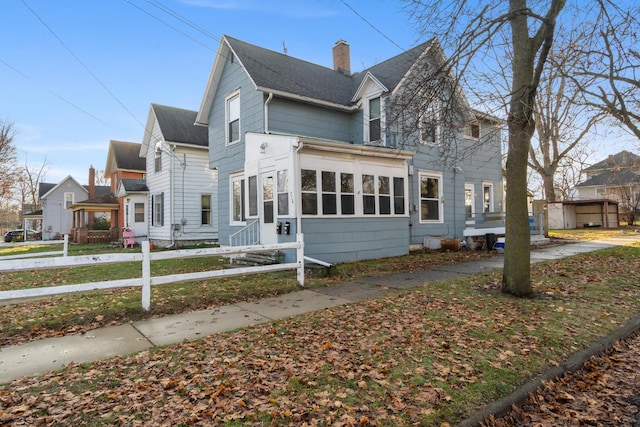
(75, 74)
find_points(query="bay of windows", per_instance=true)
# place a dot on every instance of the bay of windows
(334, 193)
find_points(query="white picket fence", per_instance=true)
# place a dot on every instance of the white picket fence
(64, 242)
(145, 258)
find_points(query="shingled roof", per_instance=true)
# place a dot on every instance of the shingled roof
(611, 178)
(289, 77)
(275, 72)
(622, 160)
(126, 156)
(177, 125)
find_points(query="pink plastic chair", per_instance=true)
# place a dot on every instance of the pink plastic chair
(128, 238)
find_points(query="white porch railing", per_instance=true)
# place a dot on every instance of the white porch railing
(146, 281)
(247, 236)
(63, 252)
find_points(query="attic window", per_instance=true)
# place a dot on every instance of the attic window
(374, 119)
(472, 130)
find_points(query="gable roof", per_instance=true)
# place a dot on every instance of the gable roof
(124, 155)
(50, 188)
(178, 125)
(623, 159)
(612, 178)
(289, 77)
(133, 185)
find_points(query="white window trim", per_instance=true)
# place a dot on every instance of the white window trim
(238, 176)
(367, 118)
(431, 110)
(73, 199)
(437, 175)
(491, 195)
(471, 186)
(467, 131)
(357, 194)
(227, 100)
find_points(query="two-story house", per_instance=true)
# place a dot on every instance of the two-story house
(302, 148)
(182, 189)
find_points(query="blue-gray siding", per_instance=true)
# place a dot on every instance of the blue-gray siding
(306, 120)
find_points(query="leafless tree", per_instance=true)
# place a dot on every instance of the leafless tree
(525, 29)
(563, 125)
(7, 159)
(608, 74)
(28, 182)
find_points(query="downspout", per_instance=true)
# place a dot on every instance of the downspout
(171, 199)
(298, 188)
(266, 112)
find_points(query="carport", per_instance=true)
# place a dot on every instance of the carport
(586, 213)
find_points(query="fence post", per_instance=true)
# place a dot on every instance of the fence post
(146, 276)
(300, 258)
(65, 245)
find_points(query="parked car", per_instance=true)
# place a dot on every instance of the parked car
(18, 235)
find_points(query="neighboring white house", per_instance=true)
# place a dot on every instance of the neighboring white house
(182, 189)
(57, 199)
(134, 195)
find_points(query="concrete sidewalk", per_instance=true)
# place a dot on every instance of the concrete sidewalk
(55, 353)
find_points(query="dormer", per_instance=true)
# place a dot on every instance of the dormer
(370, 98)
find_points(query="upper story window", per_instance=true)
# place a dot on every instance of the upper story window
(68, 200)
(472, 130)
(374, 120)
(233, 118)
(429, 127)
(158, 161)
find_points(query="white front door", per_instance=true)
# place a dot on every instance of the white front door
(267, 209)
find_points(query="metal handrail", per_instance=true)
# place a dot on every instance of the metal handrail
(246, 236)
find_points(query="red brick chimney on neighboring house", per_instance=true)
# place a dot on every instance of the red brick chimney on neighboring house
(92, 194)
(342, 57)
(92, 182)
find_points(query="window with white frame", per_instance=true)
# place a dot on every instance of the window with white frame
(429, 127)
(472, 130)
(430, 197)
(384, 195)
(329, 194)
(157, 161)
(205, 209)
(233, 118)
(487, 197)
(138, 212)
(398, 196)
(347, 194)
(158, 209)
(333, 192)
(237, 199)
(368, 194)
(309, 192)
(253, 195)
(283, 192)
(68, 200)
(374, 120)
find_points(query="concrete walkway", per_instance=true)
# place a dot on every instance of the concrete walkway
(55, 353)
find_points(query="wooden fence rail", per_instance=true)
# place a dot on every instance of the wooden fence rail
(64, 252)
(146, 280)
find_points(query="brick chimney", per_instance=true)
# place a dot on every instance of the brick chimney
(92, 182)
(342, 57)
